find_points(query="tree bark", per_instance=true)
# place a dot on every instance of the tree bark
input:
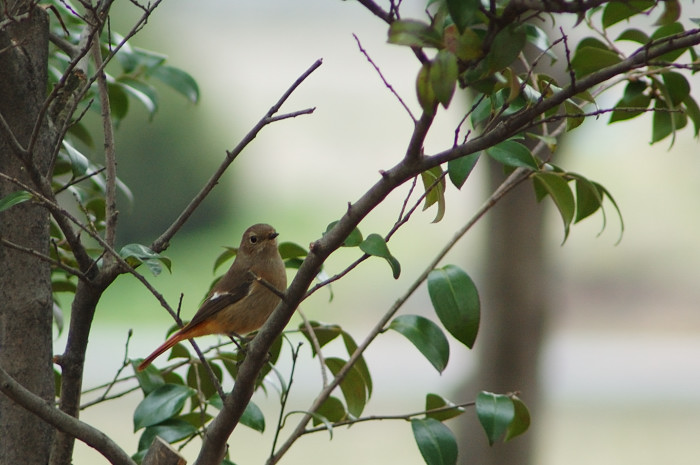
(25, 281)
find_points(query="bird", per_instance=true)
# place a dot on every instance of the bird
(242, 300)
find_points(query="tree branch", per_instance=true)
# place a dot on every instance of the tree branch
(62, 421)
(162, 242)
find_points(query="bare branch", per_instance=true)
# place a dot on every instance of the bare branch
(381, 76)
(62, 421)
(162, 242)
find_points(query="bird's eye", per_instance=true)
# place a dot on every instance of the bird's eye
(253, 239)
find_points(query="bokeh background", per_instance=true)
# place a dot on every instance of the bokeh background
(621, 370)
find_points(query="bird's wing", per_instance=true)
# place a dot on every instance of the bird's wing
(219, 300)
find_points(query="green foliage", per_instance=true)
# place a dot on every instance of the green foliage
(456, 302)
(437, 444)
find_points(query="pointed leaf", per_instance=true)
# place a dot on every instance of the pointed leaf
(360, 364)
(135, 254)
(495, 412)
(558, 189)
(376, 246)
(353, 240)
(434, 184)
(13, 199)
(443, 76)
(434, 402)
(588, 199)
(253, 417)
(513, 154)
(79, 163)
(436, 442)
(352, 386)
(460, 168)
(456, 302)
(332, 410)
(426, 336)
(171, 431)
(161, 404)
(178, 80)
(521, 419)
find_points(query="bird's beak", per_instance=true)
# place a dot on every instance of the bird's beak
(273, 235)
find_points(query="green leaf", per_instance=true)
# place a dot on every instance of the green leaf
(693, 112)
(506, 47)
(588, 60)
(434, 185)
(463, 12)
(677, 87)
(118, 101)
(672, 11)
(332, 409)
(605, 193)
(414, 34)
(141, 91)
(179, 81)
(615, 12)
(161, 404)
(634, 35)
(225, 256)
(521, 419)
(253, 417)
(291, 250)
(574, 115)
(513, 154)
(665, 31)
(171, 431)
(198, 378)
(634, 102)
(435, 441)
(426, 336)
(588, 199)
(135, 254)
(353, 240)
(149, 379)
(360, 364)
(443, 76)
(14, 198)
(495, 412)
(661, 123)
(558, 189)
(353, 386)
(324, 333)
(79, 163)
(434, 402)
(539, 38)
(376, 246)
(424, 89)
(459, 169)
(456, 301)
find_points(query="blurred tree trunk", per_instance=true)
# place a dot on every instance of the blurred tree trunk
(25, 281)
(515, 303)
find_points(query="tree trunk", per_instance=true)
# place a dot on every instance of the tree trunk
(515, 303)
(25, 281)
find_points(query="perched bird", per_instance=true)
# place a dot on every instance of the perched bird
(240, 302)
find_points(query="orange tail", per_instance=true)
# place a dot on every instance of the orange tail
(174, 339)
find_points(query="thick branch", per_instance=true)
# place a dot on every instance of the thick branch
(63, 422)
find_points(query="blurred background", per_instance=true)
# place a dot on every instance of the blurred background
(618, 377)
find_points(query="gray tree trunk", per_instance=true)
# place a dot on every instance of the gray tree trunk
(25, 281)
(515, 303)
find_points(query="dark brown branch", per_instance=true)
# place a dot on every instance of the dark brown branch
(43, 257)
(62, 421)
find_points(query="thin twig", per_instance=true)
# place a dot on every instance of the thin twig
(317, 346)
(162, 242)
(405, 416)
(41, 256)
(381, 76)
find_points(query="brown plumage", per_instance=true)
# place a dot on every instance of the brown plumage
(239, 303)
